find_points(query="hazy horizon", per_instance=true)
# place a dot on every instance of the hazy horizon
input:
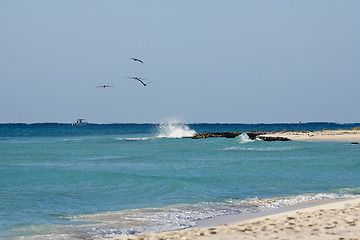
(180, 122)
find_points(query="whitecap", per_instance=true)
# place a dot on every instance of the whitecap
(175, 129)
(244, 138)
(136, 139)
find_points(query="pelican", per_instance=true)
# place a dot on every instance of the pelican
(137, 60)
(140, 80)
(104, 86)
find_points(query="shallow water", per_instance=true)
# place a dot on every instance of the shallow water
(99, 181)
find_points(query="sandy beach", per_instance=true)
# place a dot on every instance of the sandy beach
(326, 135)
(334, 220)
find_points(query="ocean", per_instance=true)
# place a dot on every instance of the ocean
(98, 181)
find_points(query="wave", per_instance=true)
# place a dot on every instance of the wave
(136, 138)
(175, 129)
(171, 129)
(348, 191)
(244, 138)
(157, 219)
(279, 202)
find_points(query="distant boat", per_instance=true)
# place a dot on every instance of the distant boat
(80, 122)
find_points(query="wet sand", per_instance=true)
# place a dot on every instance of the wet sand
(325, 220)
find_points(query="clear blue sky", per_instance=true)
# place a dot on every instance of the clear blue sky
(209, 61)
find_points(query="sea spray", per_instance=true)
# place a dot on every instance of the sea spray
(244, 138)
(175, 129)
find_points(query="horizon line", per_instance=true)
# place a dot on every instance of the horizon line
(268, 123)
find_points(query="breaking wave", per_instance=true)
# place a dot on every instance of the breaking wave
(244, 138)
(135, 138)
(175, 129)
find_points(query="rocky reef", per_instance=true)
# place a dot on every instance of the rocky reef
(252, 135)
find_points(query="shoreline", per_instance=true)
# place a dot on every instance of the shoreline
(242, 217)
(326, 219)
(313, 136)
(310, 136)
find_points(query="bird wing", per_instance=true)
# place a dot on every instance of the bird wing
(136, 59)
(141, 81)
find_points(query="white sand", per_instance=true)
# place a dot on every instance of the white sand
(336, 220)
(326, 135)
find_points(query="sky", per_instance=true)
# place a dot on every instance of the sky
(230, 61)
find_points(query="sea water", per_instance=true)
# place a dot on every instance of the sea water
(99, 181)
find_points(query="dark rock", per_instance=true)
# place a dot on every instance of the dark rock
(354, 143)
(252, 135)
(217, 134)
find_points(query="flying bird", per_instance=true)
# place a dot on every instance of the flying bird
(137, 60)
(140, 80)
(104, 86)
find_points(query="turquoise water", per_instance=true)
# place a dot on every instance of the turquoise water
(99, 181)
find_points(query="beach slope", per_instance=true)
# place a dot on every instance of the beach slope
(336, 220)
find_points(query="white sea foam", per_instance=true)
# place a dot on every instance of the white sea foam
(290, 201)
(279, 202)
(127, 222)
(244, 138)
(175, 129)
(136, 138)
(107, 225)
(186, 215)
